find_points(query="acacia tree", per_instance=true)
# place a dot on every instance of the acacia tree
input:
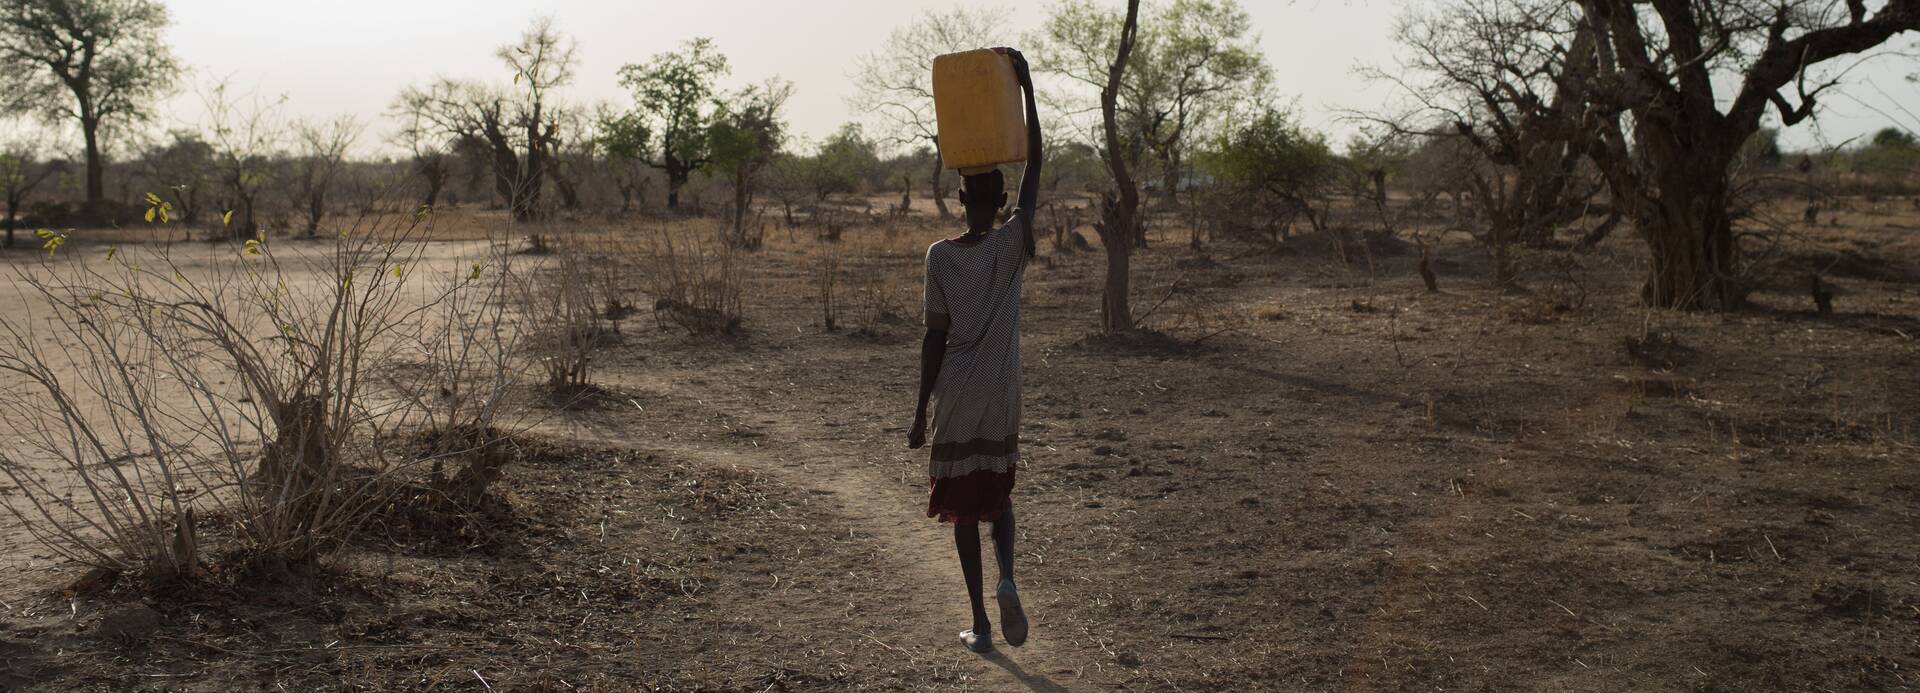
(1200, 59)
(542, 61)
(674, 94)
(744, 138)
(895, 83)
(95, 63)
(1659, 63)
(322, 150)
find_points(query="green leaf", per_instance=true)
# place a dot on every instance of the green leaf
(398, 272)
(153, 199)
(54, 241)
(150, 211)
(111, 250)
(476, 271)
(226, 219)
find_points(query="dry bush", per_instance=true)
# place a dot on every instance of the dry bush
(561, 311)
(878, 283)
(826, 278)
(465, 348)
(157, 388)
(695, 277)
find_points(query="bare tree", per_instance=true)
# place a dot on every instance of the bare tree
(245, 134)
(1661, 66)
(517, 129)
(1193, 64)
(107, 55)
(1505, 77)
(1118, 215)
(895, 83)
(542, 61)
(431, 159)
(322, 150)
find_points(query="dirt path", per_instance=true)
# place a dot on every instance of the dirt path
(880, 495)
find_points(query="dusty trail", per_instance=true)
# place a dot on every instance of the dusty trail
(881, 496)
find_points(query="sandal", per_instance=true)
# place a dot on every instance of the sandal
(1013, 619)
(981, 642)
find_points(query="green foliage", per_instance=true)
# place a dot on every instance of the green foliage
(159, 209)
(843, 159)
(1195, 65)
(622, 136)
(747, 131)
(1893, 155)
(1894, 138)
(1272, 153)
(675, 94)
(1268, 172)
(51, 241)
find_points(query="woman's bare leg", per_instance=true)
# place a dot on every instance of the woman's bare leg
(966, 538)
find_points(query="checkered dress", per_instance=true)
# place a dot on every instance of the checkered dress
(976, 411)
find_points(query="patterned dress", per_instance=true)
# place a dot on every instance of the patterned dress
(976, 408)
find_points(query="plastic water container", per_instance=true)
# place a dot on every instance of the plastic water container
(979, 109)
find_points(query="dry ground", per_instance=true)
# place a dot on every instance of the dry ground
(1309, 476)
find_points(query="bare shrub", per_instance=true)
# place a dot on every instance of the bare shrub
(561, 312)
(877, 285)
(232, 385)
(466, 346)
(826, 278)
(695, 277)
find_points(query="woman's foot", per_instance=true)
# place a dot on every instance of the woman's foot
(1013, 619)
(978, 641)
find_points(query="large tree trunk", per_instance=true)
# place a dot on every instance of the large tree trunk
(939, 182)
(1690, 236)
(1675, 188)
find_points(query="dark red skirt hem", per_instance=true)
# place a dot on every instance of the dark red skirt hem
(971, 499)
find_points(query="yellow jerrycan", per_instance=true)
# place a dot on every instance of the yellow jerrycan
(979, 110)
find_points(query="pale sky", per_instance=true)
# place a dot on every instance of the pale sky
(353, 56)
